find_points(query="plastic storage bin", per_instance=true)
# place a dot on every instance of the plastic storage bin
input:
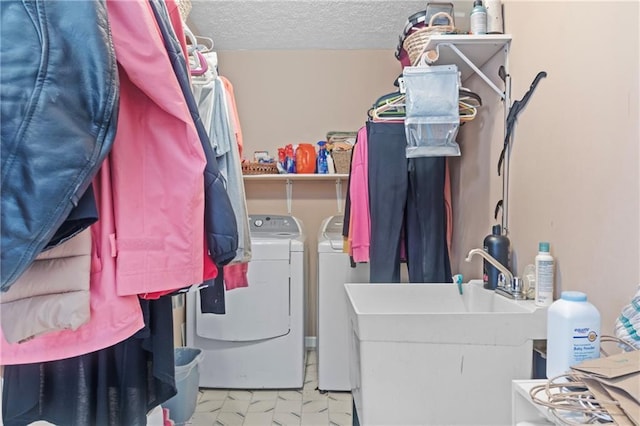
(183, 404)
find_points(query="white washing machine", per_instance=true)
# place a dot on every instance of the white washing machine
(259, 342)
(334, 270)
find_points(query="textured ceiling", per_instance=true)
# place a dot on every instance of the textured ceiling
(307, 24)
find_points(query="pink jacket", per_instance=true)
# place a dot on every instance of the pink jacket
(158, 163)
(360, 231)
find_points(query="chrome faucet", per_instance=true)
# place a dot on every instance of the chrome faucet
(511, 287)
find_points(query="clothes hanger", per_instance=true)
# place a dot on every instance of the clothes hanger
(201, 64)
(468, 96)
(195, 42)
(389, 107)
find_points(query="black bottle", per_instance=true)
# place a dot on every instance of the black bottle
(496, 245)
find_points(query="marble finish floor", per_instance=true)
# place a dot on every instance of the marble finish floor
(298, 407)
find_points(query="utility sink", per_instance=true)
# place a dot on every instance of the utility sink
(425, 354)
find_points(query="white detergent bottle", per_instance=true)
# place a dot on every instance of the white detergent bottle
(544, 275)
(573, 333)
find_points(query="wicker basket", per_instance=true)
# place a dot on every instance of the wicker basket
(415, 43)
(184, 7)
(342, 161)
(259, 168)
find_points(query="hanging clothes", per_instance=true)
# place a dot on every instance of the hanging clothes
(212, 297)
(113, 318)
(217, 108)
(220, 223)
(399, 209)
(426, 226)
(212, 98)
(30, 309)
(360, 232)
(117, 385)
(234, 113)
(158, 163)
(388, 184)
(59, 110)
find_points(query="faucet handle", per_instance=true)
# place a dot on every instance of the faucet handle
(502, 281)
(516, 285)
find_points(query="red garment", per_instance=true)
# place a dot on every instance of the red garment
(210, 268)
(235, 276)
(176, 23)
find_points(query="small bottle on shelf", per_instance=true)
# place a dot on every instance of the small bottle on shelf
(478, 18)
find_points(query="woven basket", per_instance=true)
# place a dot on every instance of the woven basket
(184, 7)
(415, 43)
(342, 161)
(259, 168)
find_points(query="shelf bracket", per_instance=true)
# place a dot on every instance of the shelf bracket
(339, 194)
(475, 69)
(289, 194)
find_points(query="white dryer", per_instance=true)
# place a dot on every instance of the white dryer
(334, 270)
(259, 341)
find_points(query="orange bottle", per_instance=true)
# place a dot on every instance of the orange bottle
(305, 158)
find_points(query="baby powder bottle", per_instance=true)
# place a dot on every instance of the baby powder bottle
(573, 332)
(544, 275)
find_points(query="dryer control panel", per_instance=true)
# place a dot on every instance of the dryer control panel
(334, 225)
(273, 225)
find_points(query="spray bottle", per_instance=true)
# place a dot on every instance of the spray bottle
(323, 167)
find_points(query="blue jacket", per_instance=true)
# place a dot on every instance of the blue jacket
(59, 91)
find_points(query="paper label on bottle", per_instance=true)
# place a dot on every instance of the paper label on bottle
(478, 23)
(586, 344)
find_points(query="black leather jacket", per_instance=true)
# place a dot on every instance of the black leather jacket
(58, 96)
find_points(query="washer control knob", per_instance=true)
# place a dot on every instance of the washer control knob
(258, 223)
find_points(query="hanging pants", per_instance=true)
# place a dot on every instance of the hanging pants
(427, 251)
(388, 185)
(406, 205)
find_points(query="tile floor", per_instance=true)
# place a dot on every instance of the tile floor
(299, 407)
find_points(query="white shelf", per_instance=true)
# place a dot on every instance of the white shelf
(526, 412)
(296, 177)
(478, 48)
(289, 178)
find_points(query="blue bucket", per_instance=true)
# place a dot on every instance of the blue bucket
(183, 404)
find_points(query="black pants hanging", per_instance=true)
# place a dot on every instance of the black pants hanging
(405, 195)
(388, 186)
(427, 251)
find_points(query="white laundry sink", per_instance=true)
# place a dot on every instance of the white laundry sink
(424, 354)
